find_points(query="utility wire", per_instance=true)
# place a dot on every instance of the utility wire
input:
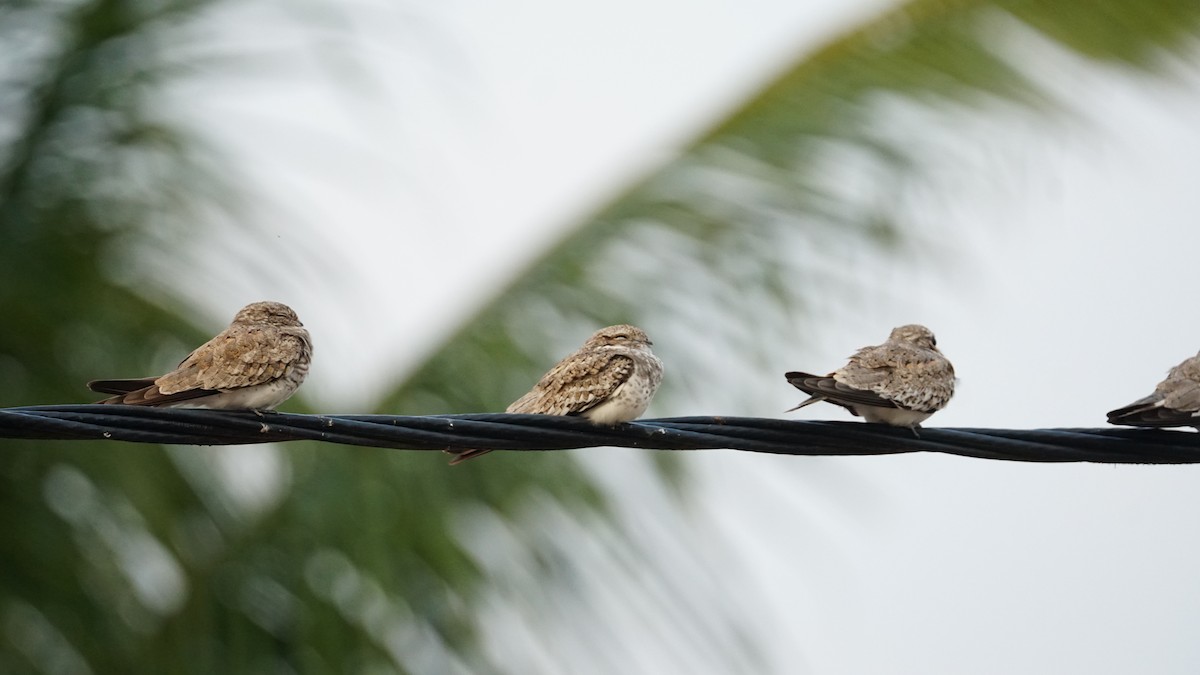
(178, 426)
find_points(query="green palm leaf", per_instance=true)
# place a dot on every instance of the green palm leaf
(144, 559)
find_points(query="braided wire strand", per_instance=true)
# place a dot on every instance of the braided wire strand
(177, 426)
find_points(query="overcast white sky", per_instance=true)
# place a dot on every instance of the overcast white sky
(1078, 258)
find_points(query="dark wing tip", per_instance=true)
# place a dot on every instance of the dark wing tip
(120, 386)
(126, 393)
(827, 388)
(798, 379)
(462, 455)
(1140, 415)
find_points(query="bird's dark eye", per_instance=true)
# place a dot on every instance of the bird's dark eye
(932, 340)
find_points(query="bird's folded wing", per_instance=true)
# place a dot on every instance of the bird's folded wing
(142, 391)
(833, 391)
(234, 359)
(1174, 403)
(1150, 412)
(577, 384)
(120, 386)
(153, 396)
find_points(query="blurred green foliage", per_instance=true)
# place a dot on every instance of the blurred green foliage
(135, 559)
(124, 558)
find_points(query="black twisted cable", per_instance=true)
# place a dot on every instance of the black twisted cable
(543, 432)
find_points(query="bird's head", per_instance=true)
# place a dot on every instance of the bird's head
(273, 313)
(914, 334)
(620, 335)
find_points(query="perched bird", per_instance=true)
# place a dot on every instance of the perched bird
(900, 382)
(610, 380)
(1174, 403)
(254, 364)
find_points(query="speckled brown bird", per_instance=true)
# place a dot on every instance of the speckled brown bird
(609, 380)
(254, 364)
(1174, 403)
(900, 382)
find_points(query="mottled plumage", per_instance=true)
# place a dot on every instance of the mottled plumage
(610, 380)
(1174, 403)
(900, 382)
(254, 364)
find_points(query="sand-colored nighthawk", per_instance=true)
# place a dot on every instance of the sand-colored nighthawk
(900, 382)
(254, 364)
(609, 380)
(1174, 403)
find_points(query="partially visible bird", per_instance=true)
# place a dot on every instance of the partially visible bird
(609, 380)
(900, 382)
(254, 364)
(1174, 403)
